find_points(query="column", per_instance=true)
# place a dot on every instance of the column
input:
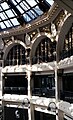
(56, 82)
(29, 90)
(60, 115)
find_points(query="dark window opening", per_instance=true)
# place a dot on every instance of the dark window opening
(67, 92)
(15, 85)
(44, 85)
(44, 116)
(68, 45)
(11, 113)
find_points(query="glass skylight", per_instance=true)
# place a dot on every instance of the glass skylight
(13, 9)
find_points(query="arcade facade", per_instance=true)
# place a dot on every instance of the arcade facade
(36, 66)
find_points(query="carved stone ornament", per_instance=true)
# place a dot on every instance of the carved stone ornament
(27, 39)
(53, 29)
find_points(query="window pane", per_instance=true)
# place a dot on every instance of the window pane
(31, 2)
(20, 9)
(50, 1)
(14, 21)
(3, 16)
(2, 25)
(8, 24)
(27, 17)
(38, 10)
(14, 2)
(24, 6)
(10, 13)
(14, 12)
(5, 6)
(32, 14)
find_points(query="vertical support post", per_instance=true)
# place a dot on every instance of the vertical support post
(29, 91)
(56, 89)
(28, 76)
(0, 84)
(60, 115)
(56, 82)
(32, 112)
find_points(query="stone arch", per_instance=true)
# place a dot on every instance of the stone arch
(10, 45)
(36, 40)
(61, 36)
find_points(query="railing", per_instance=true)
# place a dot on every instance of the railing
(44, 92)
(66, 96)
(45, 58)
(66, 53)
(15, 90)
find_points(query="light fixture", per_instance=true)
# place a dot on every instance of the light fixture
(52, 107)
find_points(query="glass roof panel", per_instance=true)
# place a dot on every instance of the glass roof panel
(32, 14)
(8, 23)
(14, 12)
(5, 6)
(14, 21)
(9, 13)
(31, 2)
(2, 25)
(27, 17)
(20, 9)
(3, 16)
(40, 12)
(14, 2)
(26, 6)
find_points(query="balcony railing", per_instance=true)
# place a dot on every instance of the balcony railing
(66, 96)
(15, 90)
(44, 92)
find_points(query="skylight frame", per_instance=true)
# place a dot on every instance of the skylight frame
(28, 10)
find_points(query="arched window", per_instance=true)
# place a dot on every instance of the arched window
(16, 56)
(45, 51)
(68, 45)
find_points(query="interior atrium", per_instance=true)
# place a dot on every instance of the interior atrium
(36, 59)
